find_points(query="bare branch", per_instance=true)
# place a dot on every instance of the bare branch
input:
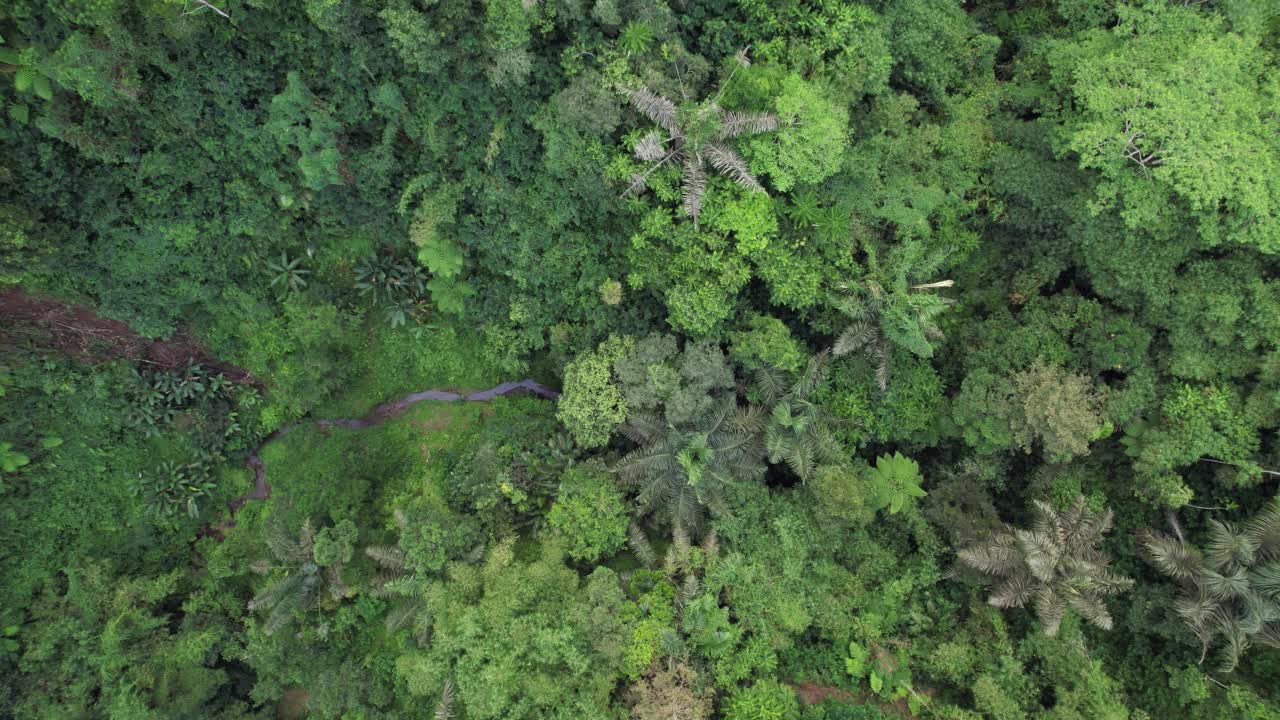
(201, 4)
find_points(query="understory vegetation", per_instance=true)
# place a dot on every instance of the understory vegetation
(879, 359)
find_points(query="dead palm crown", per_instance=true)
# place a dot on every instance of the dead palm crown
(1231, 590)
(1056, 564)
(695, 138)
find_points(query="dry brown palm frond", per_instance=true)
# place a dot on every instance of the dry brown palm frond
(731, 165)
(650, 149)
(735, 124)
(694, 186)
(655, 107)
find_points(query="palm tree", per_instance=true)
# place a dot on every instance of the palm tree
(684, 472)
(799, 429)
(398, 582)
(301, 582)
(1231, 590)
(694, 137)
(887, 310)
(1056, 564)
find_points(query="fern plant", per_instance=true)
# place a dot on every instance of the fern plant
(1056, 565)
(695, 137)
(1230, 589)
(683, 473)
(798, 430)
(895, 481)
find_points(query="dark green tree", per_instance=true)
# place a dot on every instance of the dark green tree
(304, 570)
(681, 473)
(798, 430)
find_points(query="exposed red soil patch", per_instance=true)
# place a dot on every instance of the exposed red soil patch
(89, 337)
(812, 693)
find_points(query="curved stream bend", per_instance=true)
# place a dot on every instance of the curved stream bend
(377, 416)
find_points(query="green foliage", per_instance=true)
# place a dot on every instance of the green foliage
(305, 571)
(173, 489)
(895, 482)
(887, 311)
(590, 512)
(398, 283)
(764, 700)
(695, 140)
(885, 670)
(1188, 133)
(1042, 406)
(766, 341)
(1081, 194)
(11, 460)
(489, 614)
(673, 691)
(799, 429)
(812, 136)
(288, 274)
(300, 123)
(680, 386)
(1196, 422)
(440, 253)
(683, 472)
(592, 404)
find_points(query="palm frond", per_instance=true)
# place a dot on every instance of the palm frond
(639, 182)
(1041, 552)
(1228, 548)
(444, 708)
(276, 591)
(997, 557)
(882, 368)
(1264, 530)
(1091, 609)
(1266, 579)
(856, 336)
(770, 383)
(815, 373)
(401, 614)
(644, 428)
(1013, 591)
(655, 107)
(728, 163)
(1232, 585)
(640, 545)
(650, 149)
(694, 186)
(1050, 609)
(387, 556)
(734, 124)
(1171, 556)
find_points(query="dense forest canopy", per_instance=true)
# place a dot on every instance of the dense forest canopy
(640, 359)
